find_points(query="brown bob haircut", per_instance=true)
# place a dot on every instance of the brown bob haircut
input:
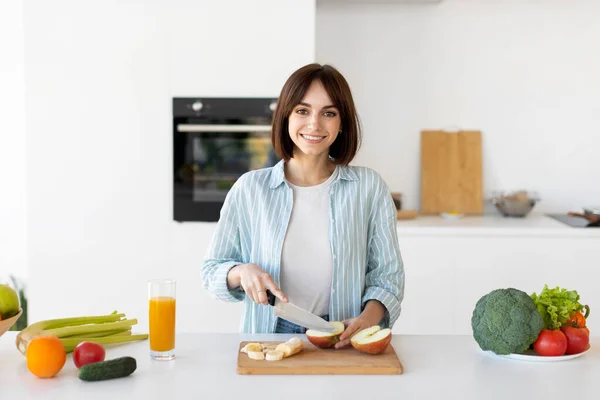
(347, 143)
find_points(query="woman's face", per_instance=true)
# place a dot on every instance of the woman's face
(314, 123)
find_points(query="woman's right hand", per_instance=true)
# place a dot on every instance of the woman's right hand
(255, 282)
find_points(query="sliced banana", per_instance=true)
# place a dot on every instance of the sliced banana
(289, 349)
(256, 355)
(252, 347)
(274, 355)
(294, 340)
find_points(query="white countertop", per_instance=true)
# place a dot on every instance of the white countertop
(435, 367)
(538, 225)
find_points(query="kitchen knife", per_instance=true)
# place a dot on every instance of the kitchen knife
(297, 315)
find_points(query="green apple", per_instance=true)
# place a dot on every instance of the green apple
(9, 302)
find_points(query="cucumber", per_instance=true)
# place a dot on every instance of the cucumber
(109, 369)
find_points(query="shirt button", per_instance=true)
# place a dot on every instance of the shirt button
(332, 291)
(334, 256)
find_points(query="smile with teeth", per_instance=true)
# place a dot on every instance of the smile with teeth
(312, 138)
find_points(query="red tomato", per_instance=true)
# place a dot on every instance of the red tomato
(550, 342)
(87, 353)
(577, 339)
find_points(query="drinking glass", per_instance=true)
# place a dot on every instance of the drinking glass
(161, 295)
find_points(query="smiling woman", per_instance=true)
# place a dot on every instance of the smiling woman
(316, 101)
(312, 229)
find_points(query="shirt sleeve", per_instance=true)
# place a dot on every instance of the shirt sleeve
(385, 268)
(224, 251)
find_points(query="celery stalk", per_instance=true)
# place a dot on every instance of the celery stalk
(101, 334)
(71, 343)
(62, 322)
(79, 329)
(84, 329)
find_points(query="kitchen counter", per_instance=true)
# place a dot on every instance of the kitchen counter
(534, 225)
(449, 367)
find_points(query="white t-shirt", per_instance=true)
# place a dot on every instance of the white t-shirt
(306, 262)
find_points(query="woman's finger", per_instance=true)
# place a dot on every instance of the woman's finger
(351, 328)
(347, 334)
(348, 322)
(261, 296)
(250, 291)
(269, 284)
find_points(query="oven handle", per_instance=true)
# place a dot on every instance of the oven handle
(222, 128)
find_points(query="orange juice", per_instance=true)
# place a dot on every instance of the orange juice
(162, 323)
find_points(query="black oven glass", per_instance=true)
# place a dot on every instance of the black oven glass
(216, 140)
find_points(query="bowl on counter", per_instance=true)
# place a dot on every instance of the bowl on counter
(6, 324)
(515, 204)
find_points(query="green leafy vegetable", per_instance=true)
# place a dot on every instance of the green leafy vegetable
(557, 305)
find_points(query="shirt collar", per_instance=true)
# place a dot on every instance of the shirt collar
(278, 175)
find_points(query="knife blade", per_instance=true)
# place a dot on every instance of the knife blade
(297, 315)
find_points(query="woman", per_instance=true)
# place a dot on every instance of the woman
(311, 229)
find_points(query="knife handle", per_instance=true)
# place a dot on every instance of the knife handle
(270, 298)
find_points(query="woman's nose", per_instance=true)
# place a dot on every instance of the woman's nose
(314, 121)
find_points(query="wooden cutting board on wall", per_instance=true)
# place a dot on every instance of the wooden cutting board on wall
(314, 361)
(451, 172)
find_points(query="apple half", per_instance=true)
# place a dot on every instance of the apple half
(323, 339)
(372, 340)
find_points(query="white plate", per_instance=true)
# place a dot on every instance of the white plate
(530, 355)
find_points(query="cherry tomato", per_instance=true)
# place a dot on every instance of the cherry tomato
(87, 353)
(550, 342)
(577, 339)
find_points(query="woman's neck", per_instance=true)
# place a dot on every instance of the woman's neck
(308, 171)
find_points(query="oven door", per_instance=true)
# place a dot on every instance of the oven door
(211, 152)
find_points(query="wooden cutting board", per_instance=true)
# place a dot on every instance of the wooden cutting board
(407, 214)
(451, 172)
(314, 361)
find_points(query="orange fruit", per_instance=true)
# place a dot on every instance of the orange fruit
(45, 356)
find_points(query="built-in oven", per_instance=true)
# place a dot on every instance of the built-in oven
(215, 141)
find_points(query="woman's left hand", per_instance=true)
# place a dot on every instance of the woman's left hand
(370, 316)
(353, 326)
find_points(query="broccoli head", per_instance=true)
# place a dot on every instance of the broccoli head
(506, 321)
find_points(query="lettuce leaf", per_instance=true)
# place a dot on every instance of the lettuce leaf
(556, 305)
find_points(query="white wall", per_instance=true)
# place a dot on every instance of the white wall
(524, 73)
(100, 77)
(99, 81)
(13, 252)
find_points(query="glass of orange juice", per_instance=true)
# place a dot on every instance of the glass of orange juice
(161, 294)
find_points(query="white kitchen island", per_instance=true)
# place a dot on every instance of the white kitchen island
(435, 367)
(450, 264)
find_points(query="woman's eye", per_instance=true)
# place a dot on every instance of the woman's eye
(302, 111)
(330, 114)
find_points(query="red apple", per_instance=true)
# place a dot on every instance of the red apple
(323, 339)
(372, 340)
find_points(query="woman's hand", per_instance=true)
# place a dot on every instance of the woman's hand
(371, 315)
(255, 282)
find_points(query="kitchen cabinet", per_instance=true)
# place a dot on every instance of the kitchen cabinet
(449, 265)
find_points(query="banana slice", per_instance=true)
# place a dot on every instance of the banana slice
(274, 355)
(252, 347)
(294, 340)
(289, 349)
(256, 355)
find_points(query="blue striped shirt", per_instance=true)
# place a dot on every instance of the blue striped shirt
(362, 232)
